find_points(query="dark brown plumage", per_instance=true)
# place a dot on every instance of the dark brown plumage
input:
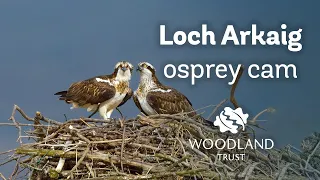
(88, 91)
(169, 102)
(137, 103)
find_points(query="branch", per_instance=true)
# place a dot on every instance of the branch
(80, 161)
(72, 154)
(260, 113)
(50, 121)
(310, 155)
(216, 108)
(17, 108)
(33, 125)
(1, 175)
(234, 86)
(122, 146)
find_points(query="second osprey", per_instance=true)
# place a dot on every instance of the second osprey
(152, 97)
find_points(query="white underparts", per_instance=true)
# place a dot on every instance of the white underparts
(92, 107)
(108, 106)
(144, 104)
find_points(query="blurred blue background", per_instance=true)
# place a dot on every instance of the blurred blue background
(45, 46)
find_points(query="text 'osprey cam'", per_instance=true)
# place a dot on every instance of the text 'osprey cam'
(101, 93)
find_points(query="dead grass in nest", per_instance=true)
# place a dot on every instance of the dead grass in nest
(153, 147)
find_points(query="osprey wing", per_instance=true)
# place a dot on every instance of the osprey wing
(127, 97)
(91, 91)
(136, 101)
(167, 100)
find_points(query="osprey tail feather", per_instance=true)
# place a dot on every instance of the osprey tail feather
(62, 94)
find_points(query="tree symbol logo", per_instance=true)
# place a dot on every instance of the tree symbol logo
(230, 120)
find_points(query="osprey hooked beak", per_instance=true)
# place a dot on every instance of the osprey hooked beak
(139, 68)
(124, 68)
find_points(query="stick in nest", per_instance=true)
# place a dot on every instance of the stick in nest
(234, 86)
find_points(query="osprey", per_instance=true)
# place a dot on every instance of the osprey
(152, 97)
(101, 93)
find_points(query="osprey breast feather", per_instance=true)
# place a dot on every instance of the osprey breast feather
(104, 93)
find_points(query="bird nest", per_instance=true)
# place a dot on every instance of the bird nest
(153, 147)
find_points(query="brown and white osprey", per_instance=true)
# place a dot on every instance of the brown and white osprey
(103, 93)
(152, 97)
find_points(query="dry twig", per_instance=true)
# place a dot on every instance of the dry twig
(234, 86)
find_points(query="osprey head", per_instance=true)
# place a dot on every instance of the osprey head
(146, 69)
(148, 78)
(123, 71)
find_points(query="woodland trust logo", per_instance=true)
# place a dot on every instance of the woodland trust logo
(230, 120)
